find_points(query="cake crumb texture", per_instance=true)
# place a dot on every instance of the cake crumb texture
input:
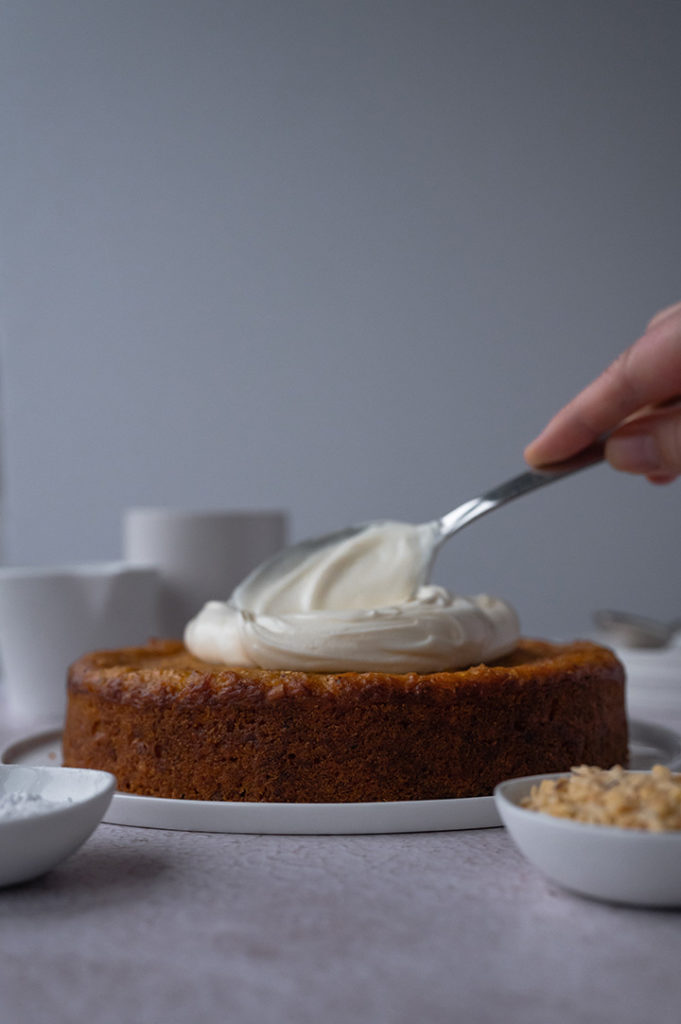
(169, 725)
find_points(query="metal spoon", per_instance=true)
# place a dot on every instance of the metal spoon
(515, 488)
(630, 630)
(439, 530)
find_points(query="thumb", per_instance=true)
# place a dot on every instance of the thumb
(649, 445)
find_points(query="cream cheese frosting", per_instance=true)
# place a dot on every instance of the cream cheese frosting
(358, 603)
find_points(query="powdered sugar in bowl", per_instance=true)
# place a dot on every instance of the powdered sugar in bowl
(45, 815)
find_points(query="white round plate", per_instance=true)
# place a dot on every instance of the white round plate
(649, 744)
(47, 814)
(618, 865)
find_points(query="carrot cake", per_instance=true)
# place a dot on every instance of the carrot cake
(168, 724)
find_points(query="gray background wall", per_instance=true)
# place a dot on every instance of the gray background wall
(343, 258)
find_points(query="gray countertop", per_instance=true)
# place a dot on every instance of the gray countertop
(146, 925)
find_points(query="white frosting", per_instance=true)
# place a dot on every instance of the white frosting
(372, 566)
(357, 604)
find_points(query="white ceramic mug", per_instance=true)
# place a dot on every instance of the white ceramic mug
(50, 615)
(200, 556)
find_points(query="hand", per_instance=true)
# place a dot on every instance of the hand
(629, 401)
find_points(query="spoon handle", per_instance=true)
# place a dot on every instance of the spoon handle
(517, 486)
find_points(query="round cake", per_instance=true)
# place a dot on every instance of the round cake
(168, 724)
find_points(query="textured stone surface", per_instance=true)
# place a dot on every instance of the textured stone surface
(157, 926)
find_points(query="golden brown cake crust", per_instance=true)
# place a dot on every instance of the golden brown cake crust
(167, 724)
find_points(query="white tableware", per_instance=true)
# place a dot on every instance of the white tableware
(653, 679)
(618, 865)
(45, 815)
(50, 615)
(649, 744)
(200, 556)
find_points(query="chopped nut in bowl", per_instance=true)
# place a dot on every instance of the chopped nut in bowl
(645, 800)
(609, 834)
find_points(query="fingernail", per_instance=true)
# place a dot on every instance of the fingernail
(633, 453)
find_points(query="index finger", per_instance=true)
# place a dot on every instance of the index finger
(647, 373)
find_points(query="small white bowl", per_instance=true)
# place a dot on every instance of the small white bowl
(619, 865)
(53, 811)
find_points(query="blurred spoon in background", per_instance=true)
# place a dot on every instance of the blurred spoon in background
(626, 629)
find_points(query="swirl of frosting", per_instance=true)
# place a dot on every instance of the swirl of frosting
(354, 605)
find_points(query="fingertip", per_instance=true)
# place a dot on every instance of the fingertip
(554, 444)
(661, 478)
(663, 314)
(537, 453)
(529, 453)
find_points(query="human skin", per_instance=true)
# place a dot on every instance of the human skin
(635, 401)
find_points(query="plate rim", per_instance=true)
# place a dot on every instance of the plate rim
(255, 817)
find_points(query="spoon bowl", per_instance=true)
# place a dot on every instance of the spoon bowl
(427, 537)
(627, 629)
